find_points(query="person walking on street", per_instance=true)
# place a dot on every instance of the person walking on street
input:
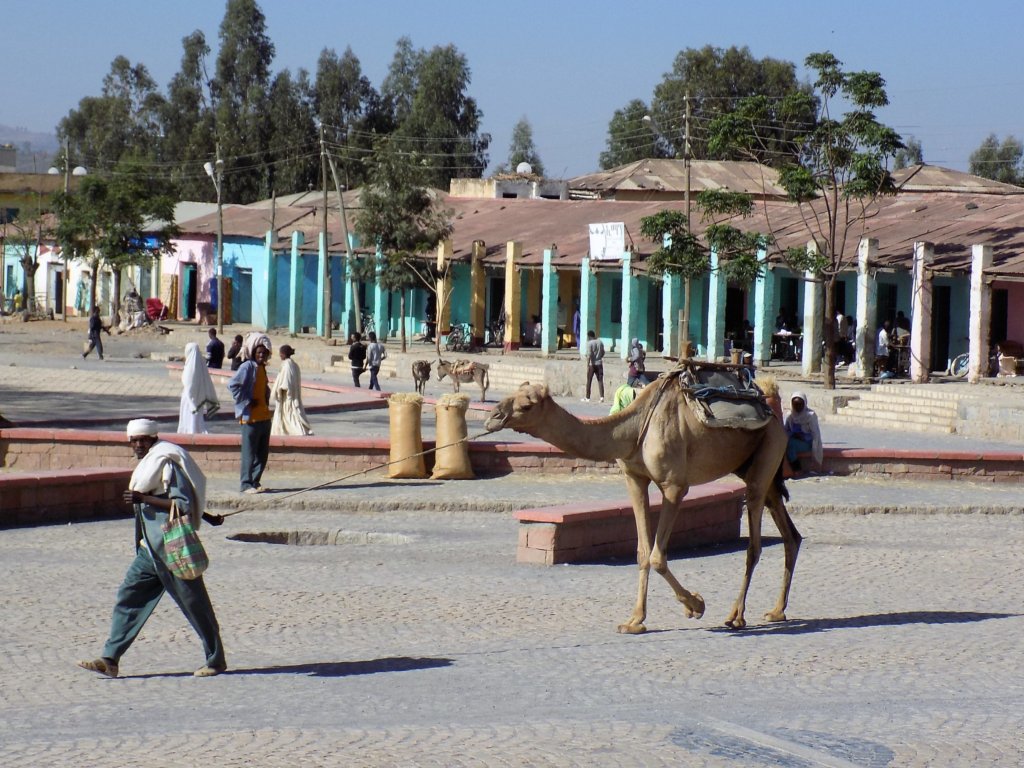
(235, 353)
(289, 414)
(357, 357)
(199, 399)
(375, 354)
(595, 364)
(636, 375)
(166, 474)
(95, 327)
(214, 351)
(251, 391)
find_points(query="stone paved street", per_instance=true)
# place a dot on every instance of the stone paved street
(417, 640)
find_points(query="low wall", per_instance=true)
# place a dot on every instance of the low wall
(54, 496)
(574, 533)
(33, 450)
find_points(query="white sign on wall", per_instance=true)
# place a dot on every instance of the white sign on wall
(608, 241)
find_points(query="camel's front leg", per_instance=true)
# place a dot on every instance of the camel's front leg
(642, 513)
(692, 601)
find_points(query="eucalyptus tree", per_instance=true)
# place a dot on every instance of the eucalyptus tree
(123, 121)
(522, 150)
(714, 81)
(839, 171)
(435, 117)
(631, 138)
(999, 161)
(188, 122)
(241, 92)
(294, 162)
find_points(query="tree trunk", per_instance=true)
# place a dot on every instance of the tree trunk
(356, 306)
(828, 328)
(29, 268)
(116, 304)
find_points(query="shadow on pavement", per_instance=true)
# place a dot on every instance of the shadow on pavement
(803, 626)
(347, 668)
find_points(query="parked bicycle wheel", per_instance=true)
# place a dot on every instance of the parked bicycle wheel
(960, 365)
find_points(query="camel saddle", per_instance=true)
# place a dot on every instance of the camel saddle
(722, 395)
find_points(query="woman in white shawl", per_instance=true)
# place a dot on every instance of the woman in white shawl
(198, 395)
(804, 435)
(289, 415)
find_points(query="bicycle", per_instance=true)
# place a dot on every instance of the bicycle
(459, 338)
(959, 365)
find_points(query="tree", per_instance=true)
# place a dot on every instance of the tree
(998, 161)
(106, 221)
(240, 93)
(292, 134)
(681, 252)
(124, 120)
(24, 234)
(716, 80)
(522, 150)
(188, 121)
(440, 123)
(351, 112)
(401, 216)
(631, 138)
(841, 173)
(911, 154)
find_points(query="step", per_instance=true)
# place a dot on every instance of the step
(899, 410)
(909, 426)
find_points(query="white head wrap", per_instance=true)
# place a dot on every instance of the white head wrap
(140, 427)
(252, 340)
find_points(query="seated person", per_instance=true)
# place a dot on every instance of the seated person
(624, 395)
(804, 435)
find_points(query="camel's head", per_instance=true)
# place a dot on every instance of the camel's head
(515, 411)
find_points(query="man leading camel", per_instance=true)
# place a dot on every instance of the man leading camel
(165, 474)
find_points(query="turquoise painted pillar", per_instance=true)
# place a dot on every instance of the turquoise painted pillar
(270, 282)
(671, 300)
(765, 290)
(295, 284)
(380, 302)
(588, 303)
(549, 305)
(321, 270)
(630, 305)
(716, 311)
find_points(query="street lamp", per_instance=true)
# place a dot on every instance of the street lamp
(216, 173)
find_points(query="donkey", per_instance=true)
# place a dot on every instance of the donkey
(465, 371)
(421, 374)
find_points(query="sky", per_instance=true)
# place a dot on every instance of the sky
(953, 69)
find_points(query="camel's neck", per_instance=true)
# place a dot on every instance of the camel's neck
(607, 439)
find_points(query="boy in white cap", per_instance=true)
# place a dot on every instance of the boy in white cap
(165, 474)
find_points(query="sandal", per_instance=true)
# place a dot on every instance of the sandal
(208, 671)
(102, 666)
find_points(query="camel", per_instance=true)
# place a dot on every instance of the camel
(658, 438)
(464, 372)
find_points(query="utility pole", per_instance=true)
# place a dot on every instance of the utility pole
(67, 189)
(684, 335)
(216, 173)
(326, 239)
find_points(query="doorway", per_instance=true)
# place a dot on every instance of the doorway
(189, 290)
(940, 327)
(242, 298)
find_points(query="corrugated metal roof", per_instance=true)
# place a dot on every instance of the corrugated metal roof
(933, 178)
(662, 176)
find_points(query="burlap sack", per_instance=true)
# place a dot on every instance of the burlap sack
(451, 462)
(404, 410)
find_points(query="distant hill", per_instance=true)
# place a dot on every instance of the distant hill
(36, 150)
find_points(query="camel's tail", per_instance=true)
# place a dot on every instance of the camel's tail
(780, 482)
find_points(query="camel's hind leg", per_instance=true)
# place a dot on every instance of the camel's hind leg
(791, 539)
(755, 507)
